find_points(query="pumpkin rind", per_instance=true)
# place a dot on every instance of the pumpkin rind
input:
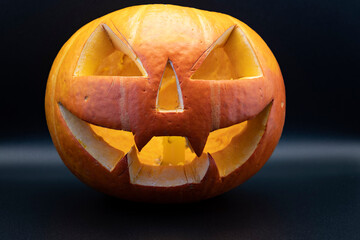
(181, 35)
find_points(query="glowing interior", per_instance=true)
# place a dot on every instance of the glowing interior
(169, 98)
(106, 55)
(167, 150)
(117, 64)
(169, 163)
(230, 57)
(169, 160)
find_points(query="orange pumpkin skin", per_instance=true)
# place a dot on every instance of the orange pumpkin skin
(157, 33)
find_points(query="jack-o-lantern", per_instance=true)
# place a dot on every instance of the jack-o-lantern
(164, 103)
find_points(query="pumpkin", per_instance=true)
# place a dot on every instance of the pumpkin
(163, 103)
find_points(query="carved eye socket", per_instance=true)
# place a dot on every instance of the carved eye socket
(105, 54)
(229, 57)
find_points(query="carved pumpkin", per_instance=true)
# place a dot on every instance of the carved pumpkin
(164, 103)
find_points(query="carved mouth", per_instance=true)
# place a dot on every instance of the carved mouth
(168, 160)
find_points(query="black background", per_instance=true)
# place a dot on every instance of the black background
(294, 197)
(309, 189)
(315, 42)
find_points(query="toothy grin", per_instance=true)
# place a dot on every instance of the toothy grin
(169, 155)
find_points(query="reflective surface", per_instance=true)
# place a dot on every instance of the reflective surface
(307, 190)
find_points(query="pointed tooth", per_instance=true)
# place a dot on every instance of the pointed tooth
(197, 144)
(213, 169)
(202, 170)
(141, 140)
(121, 166)
(211, 178)
(128, 165)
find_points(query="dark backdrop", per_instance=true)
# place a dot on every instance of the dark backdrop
(315, 42)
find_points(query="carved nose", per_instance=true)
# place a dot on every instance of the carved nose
(169, 96)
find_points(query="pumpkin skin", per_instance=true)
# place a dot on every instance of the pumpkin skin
(155, 35)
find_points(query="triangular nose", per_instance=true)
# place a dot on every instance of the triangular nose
(169, 97)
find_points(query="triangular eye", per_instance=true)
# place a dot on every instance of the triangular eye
(229, 57)
(106, 54)
(169, 97)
